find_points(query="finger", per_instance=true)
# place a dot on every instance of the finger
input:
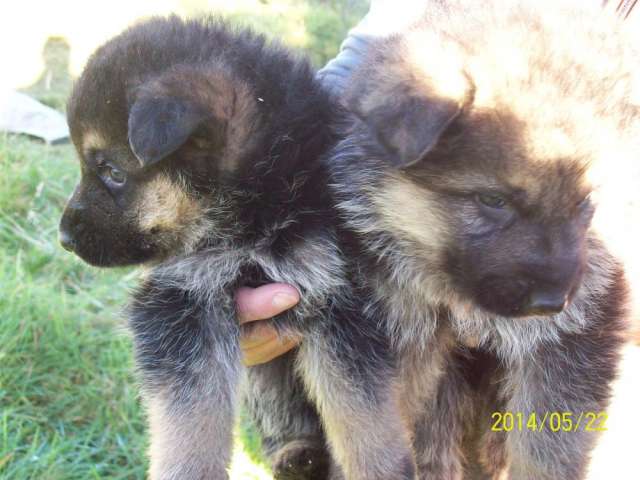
(268, 351)
(264, 302)
(261, 332)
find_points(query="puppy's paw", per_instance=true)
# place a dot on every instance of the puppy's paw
(301, 460)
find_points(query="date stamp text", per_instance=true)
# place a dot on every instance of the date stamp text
(551, 421)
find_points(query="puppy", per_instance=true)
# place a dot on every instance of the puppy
(466, 174)
(200, 149)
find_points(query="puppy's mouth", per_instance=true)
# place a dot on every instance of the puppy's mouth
(544, 307)
(100, 255)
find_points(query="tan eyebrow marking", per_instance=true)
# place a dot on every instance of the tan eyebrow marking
(92, 140)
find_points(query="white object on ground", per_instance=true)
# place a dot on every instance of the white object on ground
(19, 113)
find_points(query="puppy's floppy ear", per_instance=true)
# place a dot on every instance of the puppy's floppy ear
(408, 92)
(159, 125)
(408, 128)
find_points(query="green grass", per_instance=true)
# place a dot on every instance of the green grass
(69, 406)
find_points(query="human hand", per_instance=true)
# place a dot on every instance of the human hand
(262, 344)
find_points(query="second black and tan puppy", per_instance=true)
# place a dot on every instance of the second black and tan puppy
(200, 154)
(467, 171)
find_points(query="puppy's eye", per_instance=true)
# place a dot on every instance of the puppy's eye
(491, 200)
(117, 176)
(112, 176)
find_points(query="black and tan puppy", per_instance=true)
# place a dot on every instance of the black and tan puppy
(467, 172)
(200, 154)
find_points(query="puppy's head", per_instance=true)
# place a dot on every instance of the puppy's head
(487, 148)
(156, 129)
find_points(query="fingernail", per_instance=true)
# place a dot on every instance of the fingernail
(284, 300)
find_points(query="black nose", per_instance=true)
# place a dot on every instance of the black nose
(546, 302)
(66, 240)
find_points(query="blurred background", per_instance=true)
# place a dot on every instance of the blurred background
(68, 397)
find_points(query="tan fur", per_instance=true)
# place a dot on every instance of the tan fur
(93, 140)
(421, 224)
(418, 61)
(167, 209)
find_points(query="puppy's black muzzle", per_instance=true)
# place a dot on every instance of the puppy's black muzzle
(66, 240)
(70, 226)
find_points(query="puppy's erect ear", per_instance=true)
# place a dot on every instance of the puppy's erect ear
(158, 126)
(408, 92)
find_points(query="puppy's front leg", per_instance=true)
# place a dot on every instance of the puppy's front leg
(189, 439)
(350, 375)
(441, 427)
(190, 363)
